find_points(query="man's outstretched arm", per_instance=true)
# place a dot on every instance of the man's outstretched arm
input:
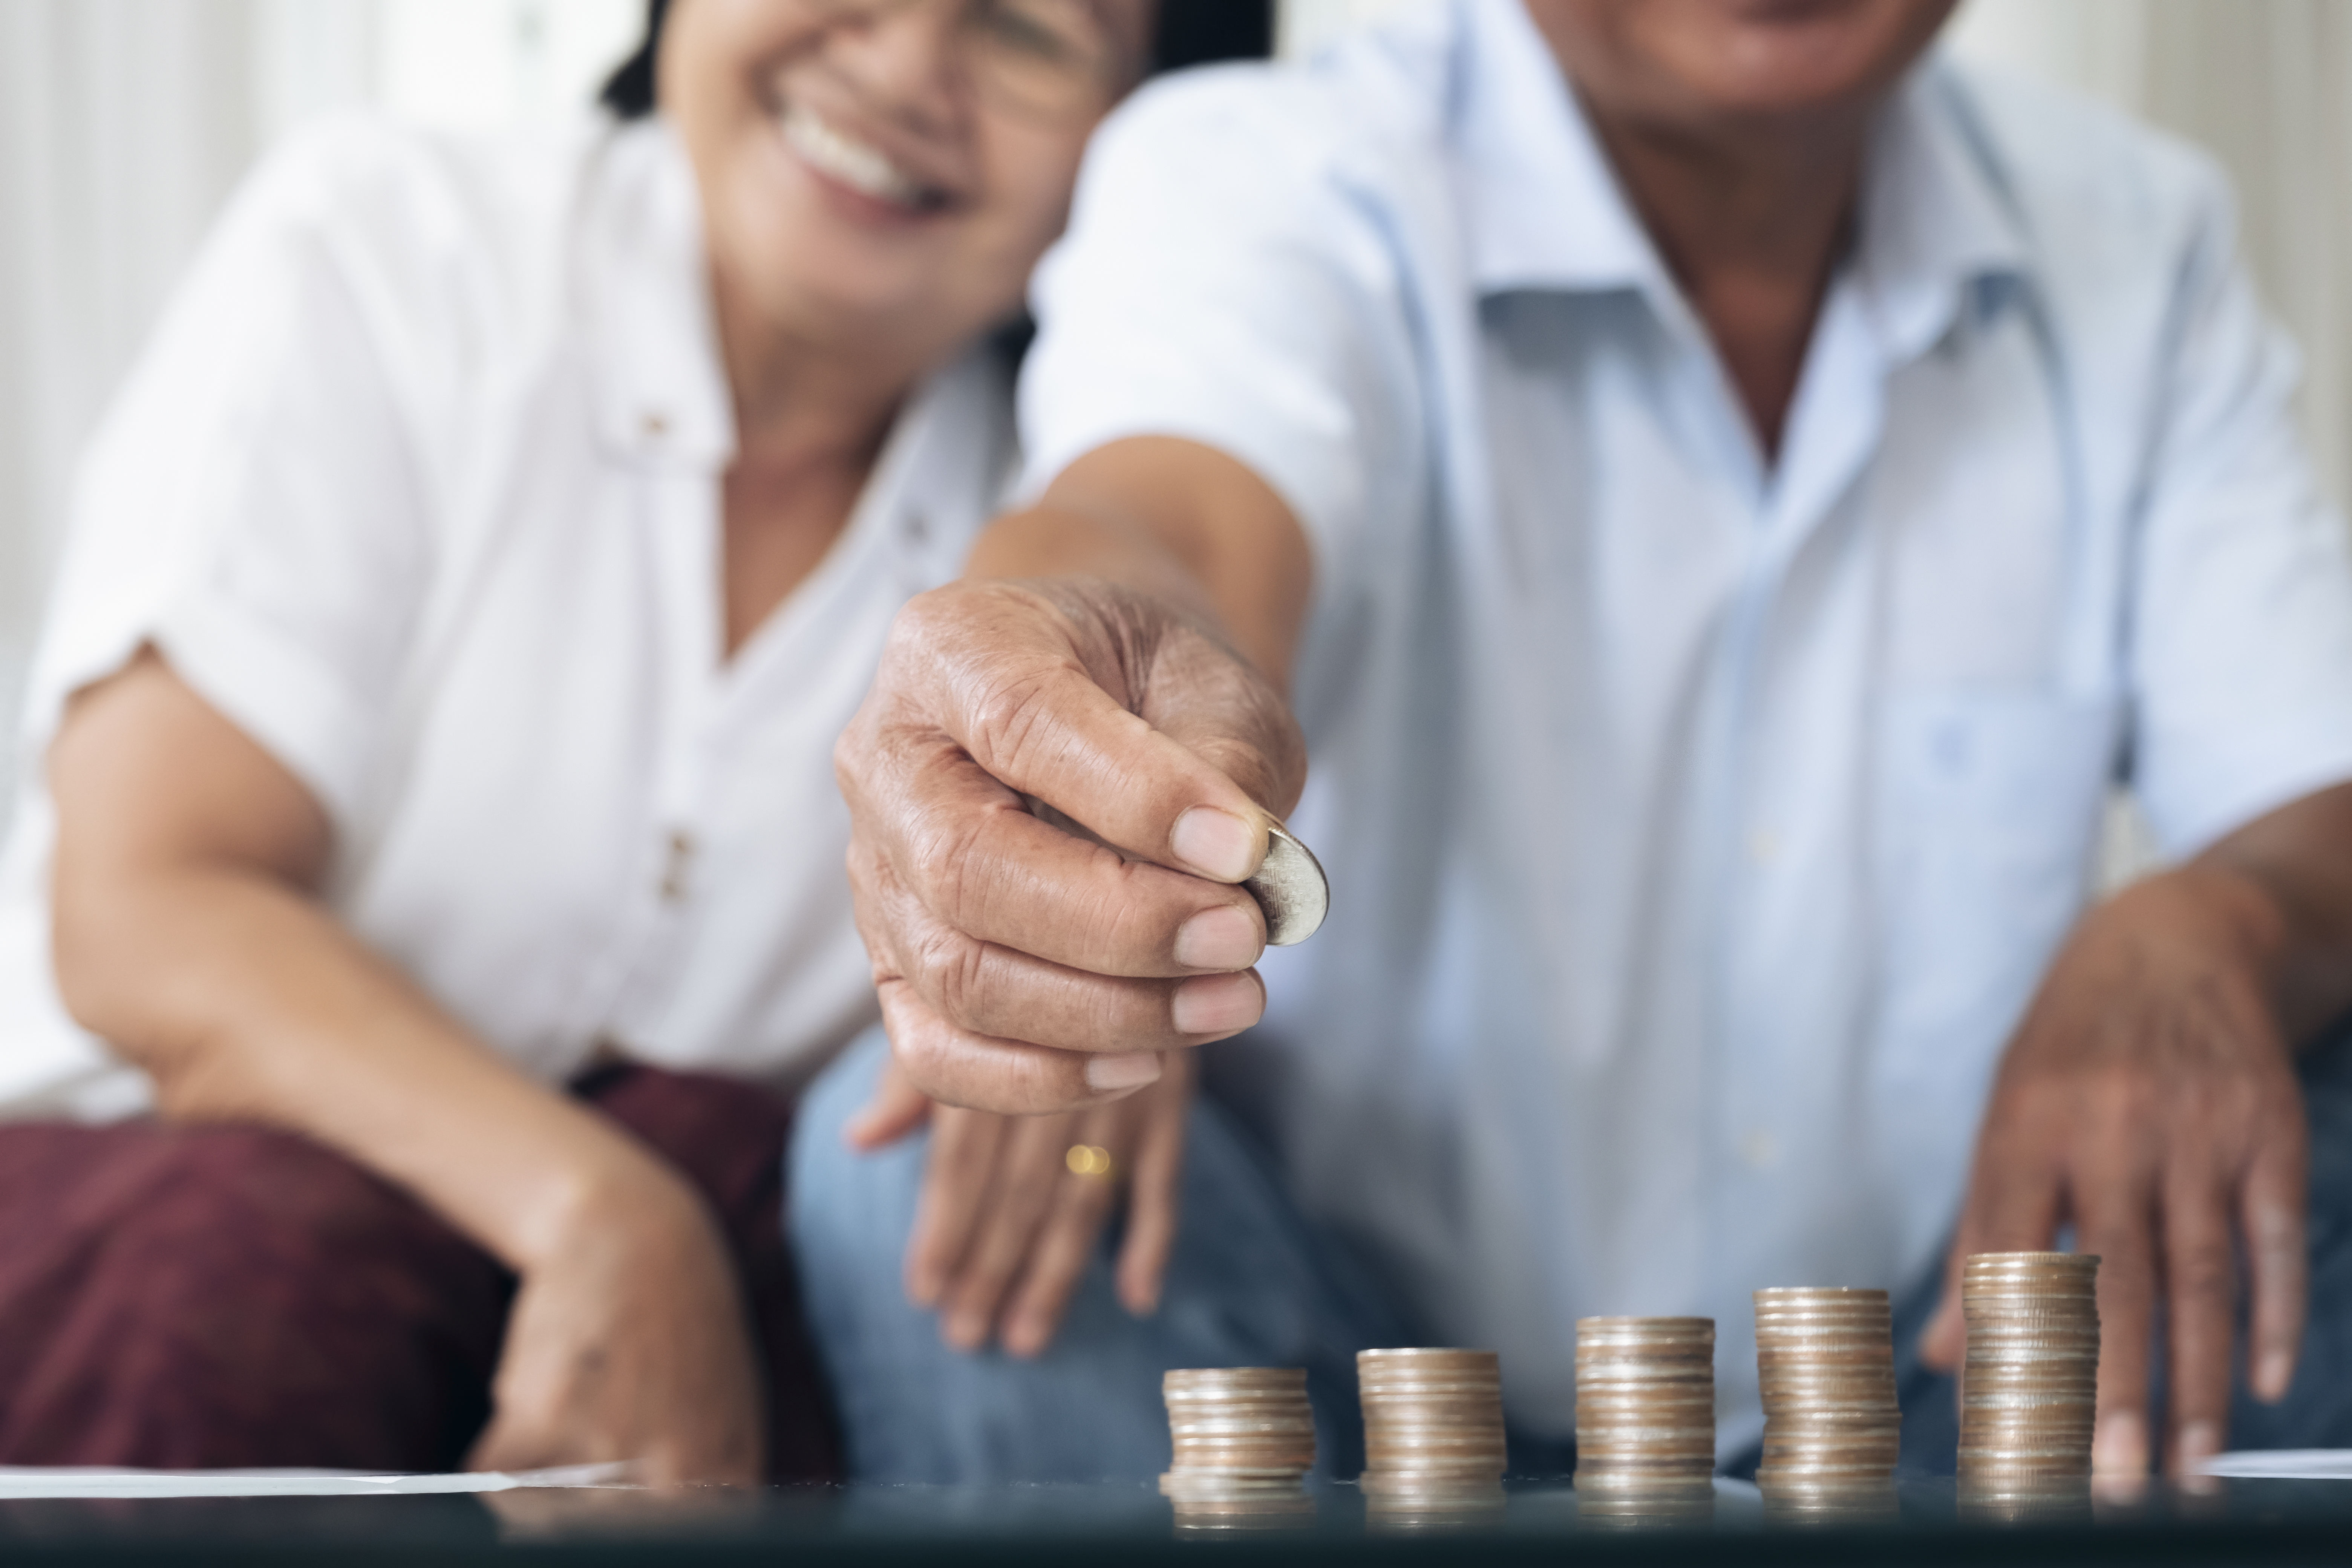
(1119, 652)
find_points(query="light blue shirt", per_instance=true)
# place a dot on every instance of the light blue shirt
(1699, 826)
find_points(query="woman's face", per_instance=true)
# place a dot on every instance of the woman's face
(890, 171)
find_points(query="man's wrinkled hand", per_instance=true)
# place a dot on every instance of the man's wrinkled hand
(2149, 1102)
(1021, 968)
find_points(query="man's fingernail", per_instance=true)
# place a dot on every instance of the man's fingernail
(1024, 1338)
(2200, 1441)
(1217, 1004)
(1222, 937)
(2273, 1375)
(1217, 844)
(1133, 1071)
(2122, 1446)
(963, 1332)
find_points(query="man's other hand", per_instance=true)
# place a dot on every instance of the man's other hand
(2150, 1102)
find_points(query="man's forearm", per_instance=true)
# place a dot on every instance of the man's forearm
(2294, 867)
(1176, 519)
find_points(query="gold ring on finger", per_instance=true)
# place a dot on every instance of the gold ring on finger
(1091, 1161)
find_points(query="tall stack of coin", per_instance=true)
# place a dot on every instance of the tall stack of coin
(1646, 1405)
(1241, 1434)
(1432, 1428)
(1825, 1362)
(2029, 1390)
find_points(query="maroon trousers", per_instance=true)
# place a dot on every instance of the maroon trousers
(199, 1297)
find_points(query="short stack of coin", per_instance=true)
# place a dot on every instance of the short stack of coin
(1432, 1428)
(1646, 1405)
(1825, 1365)
(1242, 1435)
(2029, 1389)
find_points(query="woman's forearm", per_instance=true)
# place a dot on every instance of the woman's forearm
(245, 1002)
(184, 937)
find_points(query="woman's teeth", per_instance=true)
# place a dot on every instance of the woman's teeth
(862, 168)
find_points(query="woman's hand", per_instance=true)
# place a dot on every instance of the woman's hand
(188, 935)
(1006, 1227)
(627, 1341)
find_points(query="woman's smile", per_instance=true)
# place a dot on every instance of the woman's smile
(834, 154)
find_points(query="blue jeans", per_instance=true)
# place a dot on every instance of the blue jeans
(1252, 1284)
(1248, 1284)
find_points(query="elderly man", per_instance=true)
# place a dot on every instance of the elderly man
(1727, 502)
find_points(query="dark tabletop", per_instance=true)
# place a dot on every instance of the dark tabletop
(1036, 1526)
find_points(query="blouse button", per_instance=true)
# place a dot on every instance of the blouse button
(675, 868)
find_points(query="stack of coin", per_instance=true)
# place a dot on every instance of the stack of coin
(1825, 1362)
(2029, 1389)
(1646, 1405)
(1432, 1428)
(1241, 1434)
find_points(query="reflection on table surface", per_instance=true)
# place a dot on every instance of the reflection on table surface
(2234, 1521)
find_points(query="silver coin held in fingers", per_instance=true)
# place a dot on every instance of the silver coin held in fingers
(1291, 888)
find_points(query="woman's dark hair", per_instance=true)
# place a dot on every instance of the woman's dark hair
(1191, 33)
(628, 92)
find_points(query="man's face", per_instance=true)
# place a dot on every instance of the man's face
(1702, 66)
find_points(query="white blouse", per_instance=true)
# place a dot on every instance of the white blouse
(419, 485)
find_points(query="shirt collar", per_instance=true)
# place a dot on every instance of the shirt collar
(1934, 216)
(1542, 203)
(661, 394)
(1544, 210)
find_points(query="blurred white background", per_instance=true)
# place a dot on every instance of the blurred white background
(124, 122)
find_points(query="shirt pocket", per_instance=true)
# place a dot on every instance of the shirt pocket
(1990, 807)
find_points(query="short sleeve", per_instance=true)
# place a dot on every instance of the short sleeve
(2241, 631)
(249, 504)
(1218, 285)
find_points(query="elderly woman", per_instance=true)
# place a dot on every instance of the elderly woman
(429, 880)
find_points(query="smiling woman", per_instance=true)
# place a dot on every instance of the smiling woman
(438, 704)
(1185, 35)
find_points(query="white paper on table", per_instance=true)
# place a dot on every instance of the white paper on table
(2283, 1464)
(65, 1482)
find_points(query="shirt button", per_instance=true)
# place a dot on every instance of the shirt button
(1759, 1151)
(675, 868)
(654, 423)
(1763, 847)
